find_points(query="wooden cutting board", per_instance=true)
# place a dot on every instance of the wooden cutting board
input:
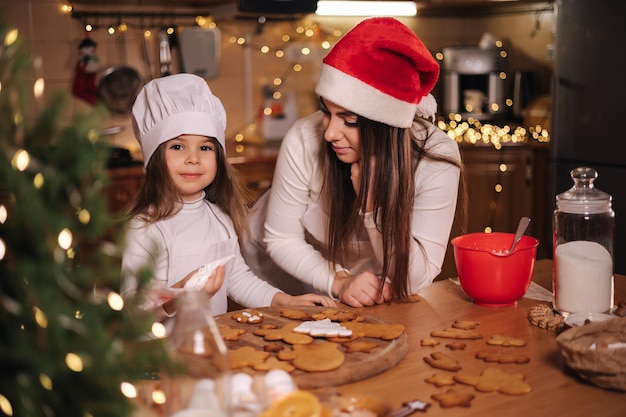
(357, 365)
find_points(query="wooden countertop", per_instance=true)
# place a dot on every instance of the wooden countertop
(556, 391)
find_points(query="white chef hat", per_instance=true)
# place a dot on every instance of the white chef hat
(176, 105)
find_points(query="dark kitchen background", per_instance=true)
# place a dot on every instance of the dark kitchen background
(549, 66)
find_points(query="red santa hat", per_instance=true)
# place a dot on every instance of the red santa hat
(382, 71)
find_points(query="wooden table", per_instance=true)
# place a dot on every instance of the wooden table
(556, 391)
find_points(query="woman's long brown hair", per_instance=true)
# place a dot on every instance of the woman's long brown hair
(398, 153)
(158, 199)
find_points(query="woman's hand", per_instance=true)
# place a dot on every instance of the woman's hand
(283, 299)
(360, 290)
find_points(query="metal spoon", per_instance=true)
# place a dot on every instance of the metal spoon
(521, 228)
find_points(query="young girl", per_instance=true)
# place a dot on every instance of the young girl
(364, 192)
(190, 210)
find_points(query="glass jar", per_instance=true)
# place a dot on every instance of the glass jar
(200, 383)
(583, 224)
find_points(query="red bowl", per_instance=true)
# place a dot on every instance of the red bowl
(487, 273)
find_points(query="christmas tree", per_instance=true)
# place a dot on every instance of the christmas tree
(64, 330)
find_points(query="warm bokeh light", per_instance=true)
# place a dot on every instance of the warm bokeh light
(5, 405)
(116, 302)
(39, 87)
(40, 317)
(65, 239)
(128, 390)
(45, 381)
(10, 37)
(21, 160)
(84, 216)
(74, 362)
(38, 180)
(158, 396)
(158, 330)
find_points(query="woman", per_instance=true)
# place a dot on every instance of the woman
(364, 193)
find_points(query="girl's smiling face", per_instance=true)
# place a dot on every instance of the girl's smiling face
(341, 130)
(191, 164)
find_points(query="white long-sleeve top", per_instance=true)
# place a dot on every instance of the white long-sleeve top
(294, 225)
(198, 234)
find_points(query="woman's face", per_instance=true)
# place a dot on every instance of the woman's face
(191, 164)
(341, 130)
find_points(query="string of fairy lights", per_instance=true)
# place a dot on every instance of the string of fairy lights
(470, 131)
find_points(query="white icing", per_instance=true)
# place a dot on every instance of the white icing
(324, 327)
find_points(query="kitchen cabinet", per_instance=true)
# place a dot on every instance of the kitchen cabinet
(123, 185)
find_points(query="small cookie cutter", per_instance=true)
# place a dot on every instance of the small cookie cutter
(409, 408)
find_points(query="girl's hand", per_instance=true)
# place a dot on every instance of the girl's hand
(215, 281)
(213, 284)
(283, 299)
(361, 290)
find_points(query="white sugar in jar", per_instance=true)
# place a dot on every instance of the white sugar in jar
(583, 224)
(583, 277)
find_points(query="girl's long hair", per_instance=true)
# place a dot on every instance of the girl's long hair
(158, 199)
(398, 153)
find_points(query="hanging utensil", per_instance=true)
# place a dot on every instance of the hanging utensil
(118, 88)
(165, 53)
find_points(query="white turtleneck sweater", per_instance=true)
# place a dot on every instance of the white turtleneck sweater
(198, 234)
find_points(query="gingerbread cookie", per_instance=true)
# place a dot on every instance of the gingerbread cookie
(456, 346)
(360, 346)
(505, 341)
(273, 363)
(231, 333)
(501, 357)
(382, 331)
(294, 314)
(429, 342)
(322, 328)
(286, 334)
(543, 316)
(273, 347)
(442, 361)
(315, 357)
(248, 316)
(452, 398)
(465, 324)
(440, 380)
(246, 356)
(334, 314)
(494, 379)
(454, 333)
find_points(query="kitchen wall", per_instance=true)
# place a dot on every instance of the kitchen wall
(54, 36)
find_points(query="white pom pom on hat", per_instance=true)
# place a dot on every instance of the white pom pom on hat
(380, 70)
(180, 104)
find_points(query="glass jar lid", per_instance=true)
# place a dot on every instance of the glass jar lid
(583, 197)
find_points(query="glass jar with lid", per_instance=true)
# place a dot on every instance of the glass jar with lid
(583, 225)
